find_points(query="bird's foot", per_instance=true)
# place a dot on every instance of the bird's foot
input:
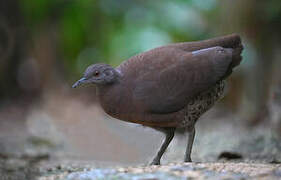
(155, 162)
(187, 160)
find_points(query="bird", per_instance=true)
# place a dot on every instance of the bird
(167, 88)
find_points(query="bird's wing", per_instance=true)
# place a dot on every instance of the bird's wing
(168, 86)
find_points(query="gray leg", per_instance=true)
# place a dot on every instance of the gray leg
(191, 135)
(169, 132)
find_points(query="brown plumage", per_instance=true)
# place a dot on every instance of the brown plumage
(167, 87)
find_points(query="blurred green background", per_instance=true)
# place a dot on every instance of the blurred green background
(45, 45)
(43, 40)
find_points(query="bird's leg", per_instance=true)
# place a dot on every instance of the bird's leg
(191, 135)
(169, 132)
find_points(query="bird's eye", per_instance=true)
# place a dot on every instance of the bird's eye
(96, 73)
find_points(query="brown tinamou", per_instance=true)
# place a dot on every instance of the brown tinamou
(167, 87)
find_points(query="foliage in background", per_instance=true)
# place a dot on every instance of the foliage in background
(51, 42)
(110, 31)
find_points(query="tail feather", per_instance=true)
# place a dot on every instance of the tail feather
(236, 57)
(232, 41)
(228, 41)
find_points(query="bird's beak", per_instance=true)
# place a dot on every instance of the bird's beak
(79, 82)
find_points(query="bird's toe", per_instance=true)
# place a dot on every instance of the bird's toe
(155, 162)
(188, 160)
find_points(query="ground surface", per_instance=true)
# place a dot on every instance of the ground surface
(165, 172)
(88, 171)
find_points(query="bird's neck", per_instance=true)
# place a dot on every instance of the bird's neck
(110, 98)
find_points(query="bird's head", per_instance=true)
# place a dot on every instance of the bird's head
(99, 74)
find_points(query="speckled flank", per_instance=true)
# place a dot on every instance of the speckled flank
(201, 103)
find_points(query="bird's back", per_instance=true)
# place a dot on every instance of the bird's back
(155, 59)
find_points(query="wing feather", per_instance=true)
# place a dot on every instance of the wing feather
(169, 88)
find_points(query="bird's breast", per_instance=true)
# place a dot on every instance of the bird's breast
(116, 101)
